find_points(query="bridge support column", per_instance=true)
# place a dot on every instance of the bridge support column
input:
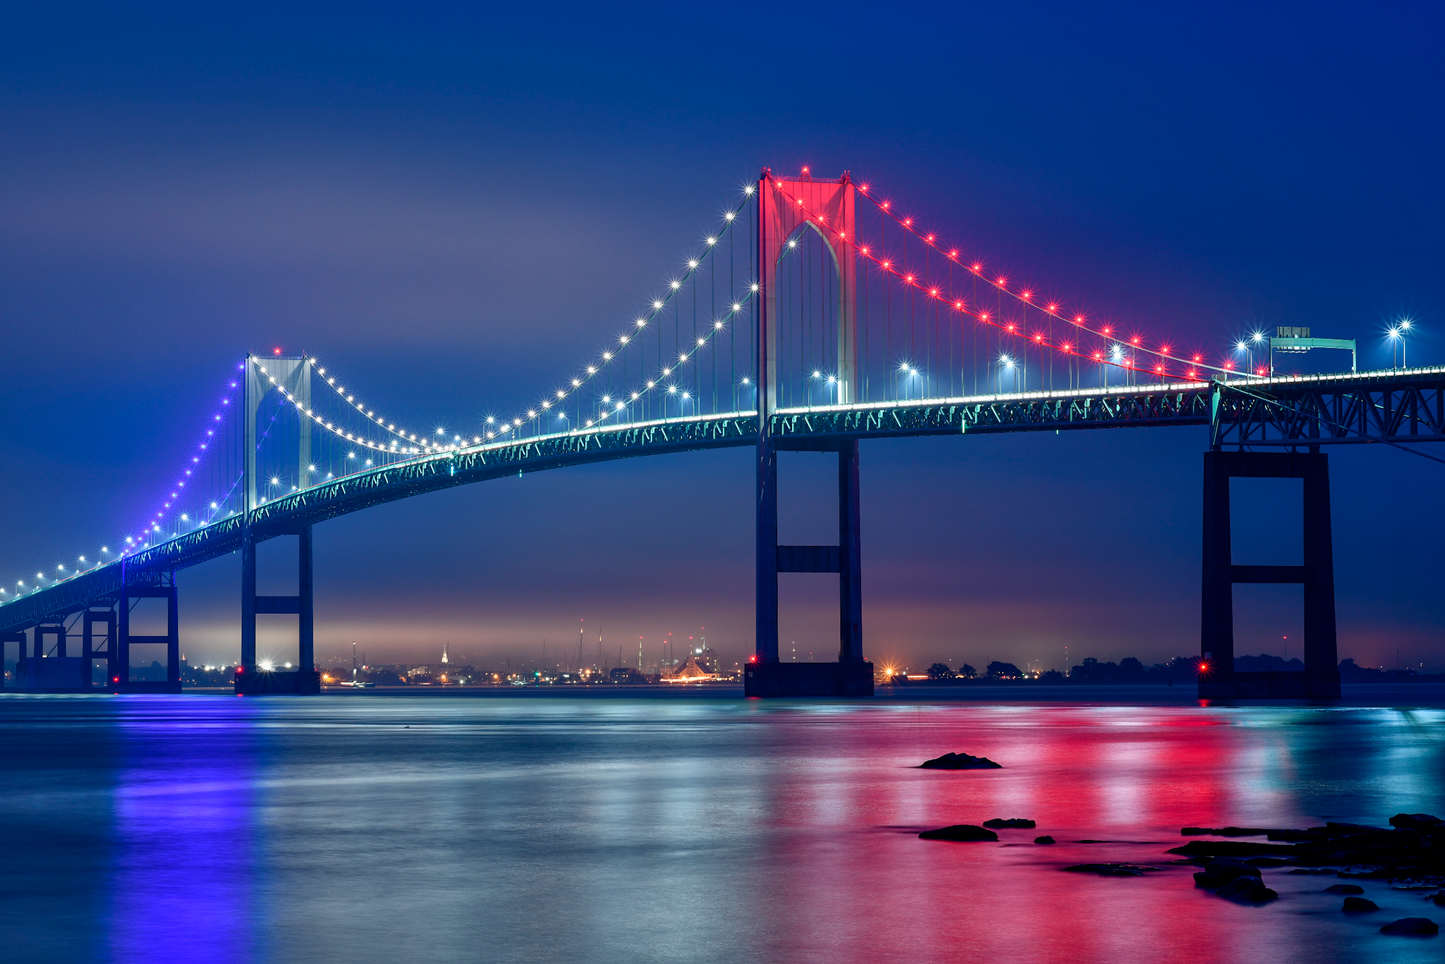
(851, 675)
(251, 679)
(88, 653)
(120, 681)
(17, 637)
(1218, 680)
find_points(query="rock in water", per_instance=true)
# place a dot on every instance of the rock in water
(1359, 905)
(1013, 823)
(959, 831)
(959, 761)
(1045, 839)
(1416, 821)
(1345, 889)
(1111, 870)
(1222, 870)
(1439, 899)
(1412, 927)
(1247, 890)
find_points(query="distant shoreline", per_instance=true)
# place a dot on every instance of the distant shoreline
(1122, 694)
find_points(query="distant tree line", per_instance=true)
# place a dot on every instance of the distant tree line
(1180, 669)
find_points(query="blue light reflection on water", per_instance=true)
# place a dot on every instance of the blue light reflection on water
(421, 829)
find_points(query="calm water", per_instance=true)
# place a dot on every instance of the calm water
(441, 829)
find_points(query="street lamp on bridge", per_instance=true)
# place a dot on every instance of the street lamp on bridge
(1398, 333)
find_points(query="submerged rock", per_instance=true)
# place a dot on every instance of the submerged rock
(1013, 823)
(1439, 899)
(1230, 848)
(1111, 870)
(1247, 890)
(1220, 871)
(1411, 927)
(1359, 905)
(959, 831)
(1345, 889)
(1227, 831)
(1045, 839)
(959, 761)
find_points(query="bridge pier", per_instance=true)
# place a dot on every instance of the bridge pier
(88, 653)
(17, 637)
(120, 681)
(250, 678)
(1218, 679)
(851, 675)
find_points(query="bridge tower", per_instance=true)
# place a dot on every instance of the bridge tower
(785, 206)
(293, 375)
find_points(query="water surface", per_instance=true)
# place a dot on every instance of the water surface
(411, 828)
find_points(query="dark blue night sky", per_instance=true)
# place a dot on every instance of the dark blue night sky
(454, 205)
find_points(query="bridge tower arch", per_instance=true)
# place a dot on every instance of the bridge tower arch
(784, 206)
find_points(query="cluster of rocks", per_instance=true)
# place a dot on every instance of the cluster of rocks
(959, 761)
(968, 832)
(1410, 853)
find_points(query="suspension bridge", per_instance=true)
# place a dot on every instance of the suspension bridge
(814, 316)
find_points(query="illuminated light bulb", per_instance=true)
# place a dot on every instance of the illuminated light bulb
(887, 265)
(736, 307)
(591, 370)
(702, 341)
(817, 374)
(933, 292)
(651, 384)
(755, 286)
(792, 243)
(693, 264)
(634, 396)
(657, 305)
(620, 406)
(666, 372)
(885, 205)
(589, 423)
(675, 284)
(729, 216)
(748, 189)
(681, 359)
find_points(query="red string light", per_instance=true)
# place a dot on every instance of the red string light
(1025, 295)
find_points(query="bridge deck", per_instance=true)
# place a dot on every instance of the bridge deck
(1291, 410)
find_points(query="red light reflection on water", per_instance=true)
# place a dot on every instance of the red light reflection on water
(849, 873)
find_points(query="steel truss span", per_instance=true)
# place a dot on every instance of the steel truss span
(1273, 412)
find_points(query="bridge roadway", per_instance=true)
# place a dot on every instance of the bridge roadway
(1288, 411)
